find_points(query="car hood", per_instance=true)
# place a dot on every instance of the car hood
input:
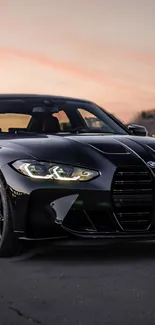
(116, 144)
(85, 150)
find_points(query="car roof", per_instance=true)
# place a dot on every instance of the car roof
(42, 97)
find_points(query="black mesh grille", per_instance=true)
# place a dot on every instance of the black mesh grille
(132, 193)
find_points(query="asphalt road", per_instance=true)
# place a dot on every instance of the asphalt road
(114, 285)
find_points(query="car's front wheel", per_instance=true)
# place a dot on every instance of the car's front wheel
(9, 243)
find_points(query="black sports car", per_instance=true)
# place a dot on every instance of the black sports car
(70, 170)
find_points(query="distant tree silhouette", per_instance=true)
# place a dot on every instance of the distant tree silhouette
(147, 119)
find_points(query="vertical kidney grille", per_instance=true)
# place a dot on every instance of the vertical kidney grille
(132, 193)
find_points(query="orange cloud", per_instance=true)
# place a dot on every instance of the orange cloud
(140, 57)
(99, 49)
(65, 67)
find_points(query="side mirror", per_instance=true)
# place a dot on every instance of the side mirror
(138, 130)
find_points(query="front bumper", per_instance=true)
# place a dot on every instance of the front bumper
(45, 210)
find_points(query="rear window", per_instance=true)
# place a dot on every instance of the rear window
(91, 120)
(64, 121)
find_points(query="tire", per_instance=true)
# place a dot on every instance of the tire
(10, 245)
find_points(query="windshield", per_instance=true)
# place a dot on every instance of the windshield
(62, 117)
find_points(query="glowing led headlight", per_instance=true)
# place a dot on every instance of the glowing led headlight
(44, 170)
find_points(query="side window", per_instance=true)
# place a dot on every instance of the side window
(64, 121)
(8, 121)
(90, 119)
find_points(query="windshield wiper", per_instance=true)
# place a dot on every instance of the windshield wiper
(74, 131)
(85, 130)
(26, 133)
(78, 129)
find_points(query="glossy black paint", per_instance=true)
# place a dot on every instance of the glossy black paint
(33, 216)
(138, 130)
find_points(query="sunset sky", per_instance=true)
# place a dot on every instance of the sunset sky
(102, 50)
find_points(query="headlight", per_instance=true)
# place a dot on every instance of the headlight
(45, 170)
